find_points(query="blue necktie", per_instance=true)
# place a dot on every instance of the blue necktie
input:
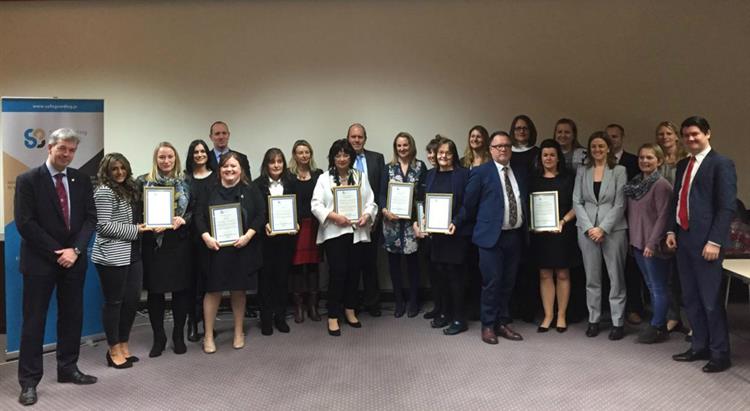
(359, 164)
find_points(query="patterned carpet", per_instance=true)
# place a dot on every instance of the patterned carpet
(402, 364)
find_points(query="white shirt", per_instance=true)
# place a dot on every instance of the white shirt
(275, 187)
(698, 160)
(618, 156)
(516, 192)
(322, 205)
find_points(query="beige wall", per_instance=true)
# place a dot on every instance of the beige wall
(282, 70)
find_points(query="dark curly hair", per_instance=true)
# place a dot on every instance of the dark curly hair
(337, 147)
(127, 189)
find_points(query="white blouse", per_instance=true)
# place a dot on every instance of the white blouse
(322, 205)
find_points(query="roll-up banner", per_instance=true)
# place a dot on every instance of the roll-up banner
(26, 123)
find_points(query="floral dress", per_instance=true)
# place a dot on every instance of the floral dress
(398, 236)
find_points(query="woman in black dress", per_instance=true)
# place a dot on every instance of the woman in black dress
(448, 252)
(166, 252)
(554, 252)
(230, 268)
(199, 174)
(304, 275)
(278, 250)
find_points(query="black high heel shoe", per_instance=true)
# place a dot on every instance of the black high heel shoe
(353, 324)
(111, 363)
(157, 348)
(334, 333)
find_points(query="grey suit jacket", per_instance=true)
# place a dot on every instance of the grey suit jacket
(608, 212)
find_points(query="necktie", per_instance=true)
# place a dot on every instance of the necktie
(682, 213)
(512, 205)
(359, 164)
(63, 197)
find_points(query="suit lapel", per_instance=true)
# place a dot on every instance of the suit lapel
(605, 182)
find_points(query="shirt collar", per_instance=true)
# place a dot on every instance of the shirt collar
(700, 156)
(53, 171)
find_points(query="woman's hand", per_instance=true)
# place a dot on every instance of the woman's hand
(648, 253)
(389, 215)
(363, 220)
(417, 232)
(268, 230)
(596, 234)
(159, 230)
(177, 222)
(244, 239)
(143, 228)
(451, 229)
(338, 219)
(210, 242)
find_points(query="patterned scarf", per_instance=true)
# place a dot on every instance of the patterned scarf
(639, 186)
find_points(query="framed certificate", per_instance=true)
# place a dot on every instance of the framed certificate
(347, 202)
(158, 206)
(226, 223)
(438, 212)
(420, 215)
(399, 199)
(282, 214)
(544, 211)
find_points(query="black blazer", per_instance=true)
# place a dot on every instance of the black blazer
(244, 163)
(40, 222)
(630, 162)
(375, 172)
(459, 179)
(287, 180)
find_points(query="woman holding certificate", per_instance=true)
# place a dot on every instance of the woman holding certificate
(649, 195)
(304, 274)
(599, 205)
(278, 247)
(117, 254)
(166, 249)
(448, 252)
(401, 188)
(554, 250)
(228, 218)
(344, 204)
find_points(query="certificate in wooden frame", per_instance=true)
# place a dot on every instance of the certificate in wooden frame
(344, 193)
(402, 211)
(545, 211)
(228, 228)
(150, 194)
(438, 223)
(282, 200)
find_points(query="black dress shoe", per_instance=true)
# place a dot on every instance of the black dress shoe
(506, 332)
(431, 314)
(374, 311)
(281, 325)
(266, 324)
(456, 327)
(561, 329)
(28, 396)
(616, 333)
(690, 356)
(592, 330)
(77, 377)
(111, 363)
(400, 311)
(334, 333)
(541, 329)
(133, 358)
(413, 311)
(193, 334)
(439, 322)
(717, 365)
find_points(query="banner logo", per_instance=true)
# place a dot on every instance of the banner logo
(34, 138)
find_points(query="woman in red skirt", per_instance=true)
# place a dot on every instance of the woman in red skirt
(303, 278)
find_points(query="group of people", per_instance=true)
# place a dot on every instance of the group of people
(610, 204)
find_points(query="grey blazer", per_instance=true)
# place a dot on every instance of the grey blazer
(608, 212)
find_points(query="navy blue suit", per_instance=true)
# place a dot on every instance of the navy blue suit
(40, 222)
(711, 206)
(499, 251)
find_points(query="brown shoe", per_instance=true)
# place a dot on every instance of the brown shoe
(634, 318)
(488, 335)
(312, 306)
(299, 311)
(506, 332)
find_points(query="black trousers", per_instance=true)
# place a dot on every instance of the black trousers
(397, 278)
(345, 261)
(121, 287)
(156, 304)
(452, 284)
(37, 291)
(369, 268)
(273, 283)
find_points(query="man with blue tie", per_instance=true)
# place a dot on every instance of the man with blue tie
(372, 164)
(219, 135)
(55, 215)
(704, 203)
(495, 199)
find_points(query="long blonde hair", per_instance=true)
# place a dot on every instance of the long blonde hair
(468, 160)
(681, 153)
(176, 170)
(293, 163)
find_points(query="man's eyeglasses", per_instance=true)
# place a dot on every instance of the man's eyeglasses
(501, 146)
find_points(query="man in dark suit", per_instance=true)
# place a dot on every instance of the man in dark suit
(55, 215)
(704, 203)
(633, 277)
(495, 200)
(371, 164)
(219, 135)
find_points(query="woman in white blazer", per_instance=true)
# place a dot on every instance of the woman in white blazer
(342, 239)
(599, 203)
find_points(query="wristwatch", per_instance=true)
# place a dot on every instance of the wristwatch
(76, 250)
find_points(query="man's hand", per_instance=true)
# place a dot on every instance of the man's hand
(710, 252)
(671, 241)
(67, 257)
